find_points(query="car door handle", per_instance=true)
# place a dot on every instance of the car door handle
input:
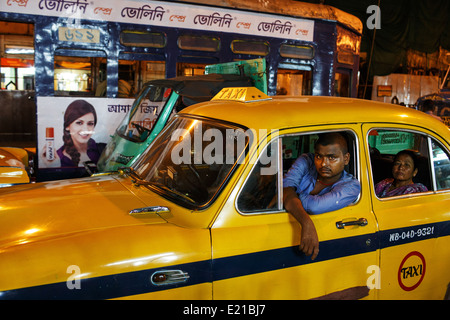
(165, 277)
(360, 222)
(149, 210)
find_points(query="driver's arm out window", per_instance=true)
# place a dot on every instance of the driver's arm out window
(261, 192)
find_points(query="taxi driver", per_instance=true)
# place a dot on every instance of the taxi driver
(317, 183)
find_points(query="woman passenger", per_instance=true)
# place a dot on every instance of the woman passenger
(404, 169)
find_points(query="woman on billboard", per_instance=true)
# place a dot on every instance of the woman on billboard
(80, 120)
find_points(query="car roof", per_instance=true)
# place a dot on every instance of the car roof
(284, 112)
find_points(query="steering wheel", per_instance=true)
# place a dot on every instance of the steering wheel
(200, 188)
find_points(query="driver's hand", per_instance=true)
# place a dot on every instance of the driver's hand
(309, 242)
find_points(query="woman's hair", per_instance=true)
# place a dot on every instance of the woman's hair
(75, 110)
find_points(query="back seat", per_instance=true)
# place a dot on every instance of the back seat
(382, 168)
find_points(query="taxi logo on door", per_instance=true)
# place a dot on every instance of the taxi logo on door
(411, 271)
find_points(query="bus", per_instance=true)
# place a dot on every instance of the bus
(439, 101)
(55, 52)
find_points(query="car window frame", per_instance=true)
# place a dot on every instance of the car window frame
(280, 209)
(429, 138)
(433, 171)
(239, 162)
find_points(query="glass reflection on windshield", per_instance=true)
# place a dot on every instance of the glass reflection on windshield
(192, 158)
(138, 124)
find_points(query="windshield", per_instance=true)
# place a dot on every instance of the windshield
(137, 125)
(191, 159)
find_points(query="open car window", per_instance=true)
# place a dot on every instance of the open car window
(261, 192)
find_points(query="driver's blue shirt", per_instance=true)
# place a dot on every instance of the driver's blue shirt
(303, 177)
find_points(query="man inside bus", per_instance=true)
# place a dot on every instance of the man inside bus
(428, 108)
(317, 183)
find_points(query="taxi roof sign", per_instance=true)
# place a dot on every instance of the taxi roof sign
(246, 94)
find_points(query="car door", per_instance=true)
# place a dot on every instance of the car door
(414, 228)
(255, 245)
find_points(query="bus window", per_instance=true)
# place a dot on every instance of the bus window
(17, 84)
(296, 52)
(342, 83)
(78, 72)
(293, 82)
(17, 74)
(128, 78)
(257, 48)
(199, 43)
(190, 69)
(137, 68)
(17, 56)
(152, 70)
(133, 74)
(142, 39)
(194, 65)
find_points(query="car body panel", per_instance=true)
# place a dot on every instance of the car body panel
(13, 162)
(264, 248)
(215, 250)
(89, 204)
(297, 111)
(52, 240)
(414, 229)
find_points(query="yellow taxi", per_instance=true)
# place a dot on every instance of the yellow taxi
(13, 166)
(200, 216)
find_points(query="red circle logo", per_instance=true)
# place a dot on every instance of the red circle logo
(411, 271)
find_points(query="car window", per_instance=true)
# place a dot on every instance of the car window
(192, 159)
(138, 124)
(441, 166)
(261, 192)
(384, 145)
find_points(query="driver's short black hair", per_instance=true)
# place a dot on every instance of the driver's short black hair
(328, 138)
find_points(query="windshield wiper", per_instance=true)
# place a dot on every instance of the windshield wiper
(135, 178)
(176, 192)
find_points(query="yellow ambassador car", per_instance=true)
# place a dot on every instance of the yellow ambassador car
(15, 166)
(199, 215)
